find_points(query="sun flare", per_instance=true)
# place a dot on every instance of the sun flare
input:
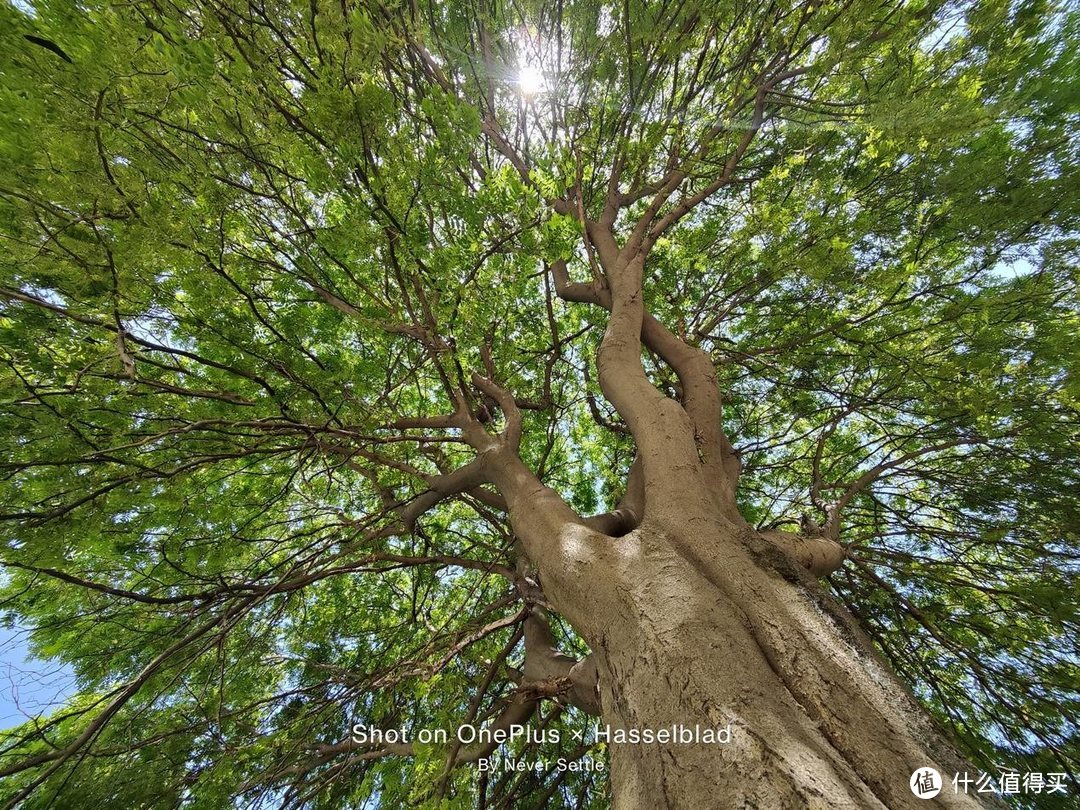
(530, 80)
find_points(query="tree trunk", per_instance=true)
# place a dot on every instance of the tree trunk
(694, 618)
(746, 639)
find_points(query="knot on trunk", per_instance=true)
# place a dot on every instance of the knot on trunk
(548, 688)
(818, 555)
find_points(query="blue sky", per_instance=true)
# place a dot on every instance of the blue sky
(28, 685)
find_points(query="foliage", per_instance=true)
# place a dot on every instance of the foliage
(243, 242)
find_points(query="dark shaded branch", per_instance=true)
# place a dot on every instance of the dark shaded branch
(546, 673)
(628, 515)
(832, 524)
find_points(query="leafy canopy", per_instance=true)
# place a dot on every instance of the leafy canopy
(242, 242)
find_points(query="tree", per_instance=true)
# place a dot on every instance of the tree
(415, 365)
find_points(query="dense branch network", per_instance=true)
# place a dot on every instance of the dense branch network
(374, 462)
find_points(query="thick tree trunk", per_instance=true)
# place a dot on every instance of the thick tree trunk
(746, 640)
(696, 619)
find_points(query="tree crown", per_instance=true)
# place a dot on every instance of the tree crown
(272, 273)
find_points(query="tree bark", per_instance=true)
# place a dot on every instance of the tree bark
(816, 718)
(694, 618)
